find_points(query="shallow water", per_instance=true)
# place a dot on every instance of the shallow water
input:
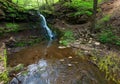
(54, 66)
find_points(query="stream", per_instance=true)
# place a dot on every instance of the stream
(57, 66)
(47, 63)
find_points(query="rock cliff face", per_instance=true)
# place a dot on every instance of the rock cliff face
(9, 11)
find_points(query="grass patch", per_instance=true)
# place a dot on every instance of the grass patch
(67, 37)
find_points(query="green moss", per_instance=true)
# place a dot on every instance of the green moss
(18, 67)
(28, 43)
(110, 65)
(4, 75)
(12, 27)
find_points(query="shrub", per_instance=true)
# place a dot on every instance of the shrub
(106, 18)
(82, 7)
(67, 38)
(107, 37)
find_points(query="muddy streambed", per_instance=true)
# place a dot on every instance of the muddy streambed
(53, 65)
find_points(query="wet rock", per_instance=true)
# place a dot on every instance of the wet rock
(69, 65)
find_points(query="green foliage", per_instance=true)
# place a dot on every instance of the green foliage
(33, 4)
(4, 77)
(67, 38)
(110, 65)
(106, 18)
(82, 7)
(103, 22)
(106, 34)
(107, 37)
(27, 43)
(118, 42)
(12, 27)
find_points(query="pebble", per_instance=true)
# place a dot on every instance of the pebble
(97, 43)
(68, 46)
(61, 47)
(70, 57)
(75, 62)
(69, 65)
(90, 41)
(62, 60)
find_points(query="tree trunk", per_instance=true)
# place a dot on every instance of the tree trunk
(94, 16)
(46, 1)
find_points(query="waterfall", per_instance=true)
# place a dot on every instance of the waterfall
(44, 25)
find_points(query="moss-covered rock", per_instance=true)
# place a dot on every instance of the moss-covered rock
(11, 11)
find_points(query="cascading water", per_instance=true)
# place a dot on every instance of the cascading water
(37, 73)
(44, 25)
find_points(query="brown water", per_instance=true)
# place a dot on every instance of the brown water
(54, 66)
